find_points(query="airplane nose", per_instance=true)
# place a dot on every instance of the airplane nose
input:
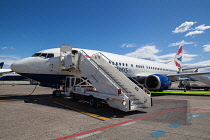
(20, 66)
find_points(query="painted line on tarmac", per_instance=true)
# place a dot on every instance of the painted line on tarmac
(126, 124)
(161, 132)
(87, 135)
(195, 116)
(188, 120)
(83, 112)
(158, 133)
(114, 125)
(174, 125)
(110, 126)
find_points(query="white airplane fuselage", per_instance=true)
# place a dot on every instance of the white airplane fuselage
(47, 69)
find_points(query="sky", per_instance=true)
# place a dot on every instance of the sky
(148, 29)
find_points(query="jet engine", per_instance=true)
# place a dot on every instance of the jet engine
(157, 82)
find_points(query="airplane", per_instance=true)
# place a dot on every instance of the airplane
(2, 71)
(46, 66)
(11, 76)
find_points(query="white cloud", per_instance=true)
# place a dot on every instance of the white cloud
(180, 43)
(8, 60)
(194, 33)
(7, 63)
(128, 45)
(146, 52)
(183, 27)
(202, 27)
(188, 57)
(199, 64)
(9, 56)
(206, 48)
(150, 53)
(198, 30)
(3, 48)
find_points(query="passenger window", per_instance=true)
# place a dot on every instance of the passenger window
(123, 64)
(50, 55)
(119, 63)
(116, 63)
(131, 65)
(112, 63)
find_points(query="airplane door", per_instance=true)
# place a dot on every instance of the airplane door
(65, 56)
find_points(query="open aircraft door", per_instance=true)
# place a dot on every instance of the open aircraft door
(66, 57)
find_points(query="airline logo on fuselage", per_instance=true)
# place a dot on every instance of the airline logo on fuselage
(121, 69)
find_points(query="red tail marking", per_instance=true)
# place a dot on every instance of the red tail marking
(179, 50)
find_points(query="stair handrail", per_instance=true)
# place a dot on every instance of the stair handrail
(82, 51)
(139, 84)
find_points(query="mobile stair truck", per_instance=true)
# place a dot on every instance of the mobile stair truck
(102, 81)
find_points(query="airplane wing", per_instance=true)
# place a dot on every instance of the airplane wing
(194, 68)
(187, 74)
(2, 71)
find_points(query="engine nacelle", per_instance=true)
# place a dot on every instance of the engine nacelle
(157, 82)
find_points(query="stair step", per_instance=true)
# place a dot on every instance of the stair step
(139, 106)
(135, 102)
(131, 97)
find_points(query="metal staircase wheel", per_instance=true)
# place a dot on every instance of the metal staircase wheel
(57, 93)
(92, 101)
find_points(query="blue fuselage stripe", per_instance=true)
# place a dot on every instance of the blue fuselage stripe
(49, 78)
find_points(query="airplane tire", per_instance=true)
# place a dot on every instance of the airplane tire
(92, 101)
(57, 93)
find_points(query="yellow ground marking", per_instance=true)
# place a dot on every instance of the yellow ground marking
(11, 100)
(83, 112)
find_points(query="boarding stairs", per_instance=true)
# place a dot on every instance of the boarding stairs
(120, 91)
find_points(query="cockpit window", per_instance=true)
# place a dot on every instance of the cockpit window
(50, 55)
(43, 55)
(36, 55)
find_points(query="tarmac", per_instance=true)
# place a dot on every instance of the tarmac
(30, 112)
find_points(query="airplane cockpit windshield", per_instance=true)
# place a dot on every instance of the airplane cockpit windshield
(43, 55)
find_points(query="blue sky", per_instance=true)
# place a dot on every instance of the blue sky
(150, 29)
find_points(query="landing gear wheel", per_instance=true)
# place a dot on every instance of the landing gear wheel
(56, 93)
(92, 101)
